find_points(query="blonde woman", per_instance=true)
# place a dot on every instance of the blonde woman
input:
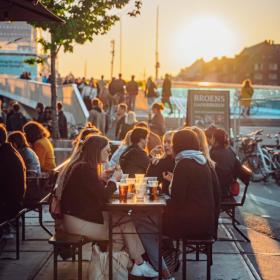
(203, 144)
(162, 168)
(115, 159)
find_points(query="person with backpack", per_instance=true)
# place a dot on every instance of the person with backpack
(227, 165)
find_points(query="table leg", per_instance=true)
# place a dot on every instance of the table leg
(110, 246)
(159, 244)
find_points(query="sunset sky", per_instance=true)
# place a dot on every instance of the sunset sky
(187, 30)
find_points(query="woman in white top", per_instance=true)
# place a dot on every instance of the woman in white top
(115, 159)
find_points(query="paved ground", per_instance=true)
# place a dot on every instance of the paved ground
(232, 260)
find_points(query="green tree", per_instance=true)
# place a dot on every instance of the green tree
(84, 19)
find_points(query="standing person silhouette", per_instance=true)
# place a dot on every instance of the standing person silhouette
(132, 91)
(166, 92)
(247, 92)
(150, 92)
(120, 89)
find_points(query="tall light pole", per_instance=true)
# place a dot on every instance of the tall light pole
(85, 69)
(157, 65)
(113, 57)
(120, 45)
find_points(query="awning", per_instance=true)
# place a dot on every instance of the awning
(26, 10)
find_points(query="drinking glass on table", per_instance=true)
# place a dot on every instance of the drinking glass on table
(140, 191)
(123, 190)
(152, 179)
(124, 176)
(153, 189)
(131, 185)
(139, 178)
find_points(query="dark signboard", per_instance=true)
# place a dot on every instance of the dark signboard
(208, 107)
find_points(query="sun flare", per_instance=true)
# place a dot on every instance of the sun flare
(204, 38)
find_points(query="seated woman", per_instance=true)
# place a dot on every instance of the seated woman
(227, 165)
(85, 192)
(37, 136)
(115, 159)
(191, 210)
(163, 167)
(135, 160)
(19, 142)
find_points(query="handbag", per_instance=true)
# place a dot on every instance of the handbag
(98, 268)
(234, 188)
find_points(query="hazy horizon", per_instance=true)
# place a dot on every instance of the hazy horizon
(187, 31)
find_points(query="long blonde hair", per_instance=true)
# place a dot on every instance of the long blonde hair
(203, 144)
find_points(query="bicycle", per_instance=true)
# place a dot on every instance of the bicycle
(262, 160)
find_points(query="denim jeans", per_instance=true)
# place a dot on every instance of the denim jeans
(144, 223)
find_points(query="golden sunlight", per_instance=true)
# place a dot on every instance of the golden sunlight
(204, 38)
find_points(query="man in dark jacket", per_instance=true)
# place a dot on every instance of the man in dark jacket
(120, 88)
(121, 115)
(166, 92)
(132, 91)
(40, 113)
(135, 160)
(16, 120)
(62, 122)
(12, 178)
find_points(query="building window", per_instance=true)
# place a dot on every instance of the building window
(273, 66)
(258, 76)
(272, 76)
(258, 66)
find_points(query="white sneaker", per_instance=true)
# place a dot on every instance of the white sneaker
(144, 269)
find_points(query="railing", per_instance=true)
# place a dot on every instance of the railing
(266, 98)
(29, 93)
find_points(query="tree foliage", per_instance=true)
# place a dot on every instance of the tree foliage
(84, 19)
(34, 60)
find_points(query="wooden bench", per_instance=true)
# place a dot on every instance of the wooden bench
(228, 207)
(203, 246)
(15, 220)
(48, 181)
(62, 240)
(38, 207)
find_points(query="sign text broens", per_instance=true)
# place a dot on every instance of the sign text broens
(208, 107)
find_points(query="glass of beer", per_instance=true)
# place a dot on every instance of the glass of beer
(123, 189)
(131, 185)
(153, 189)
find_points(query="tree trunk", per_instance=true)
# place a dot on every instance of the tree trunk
(55, 132)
